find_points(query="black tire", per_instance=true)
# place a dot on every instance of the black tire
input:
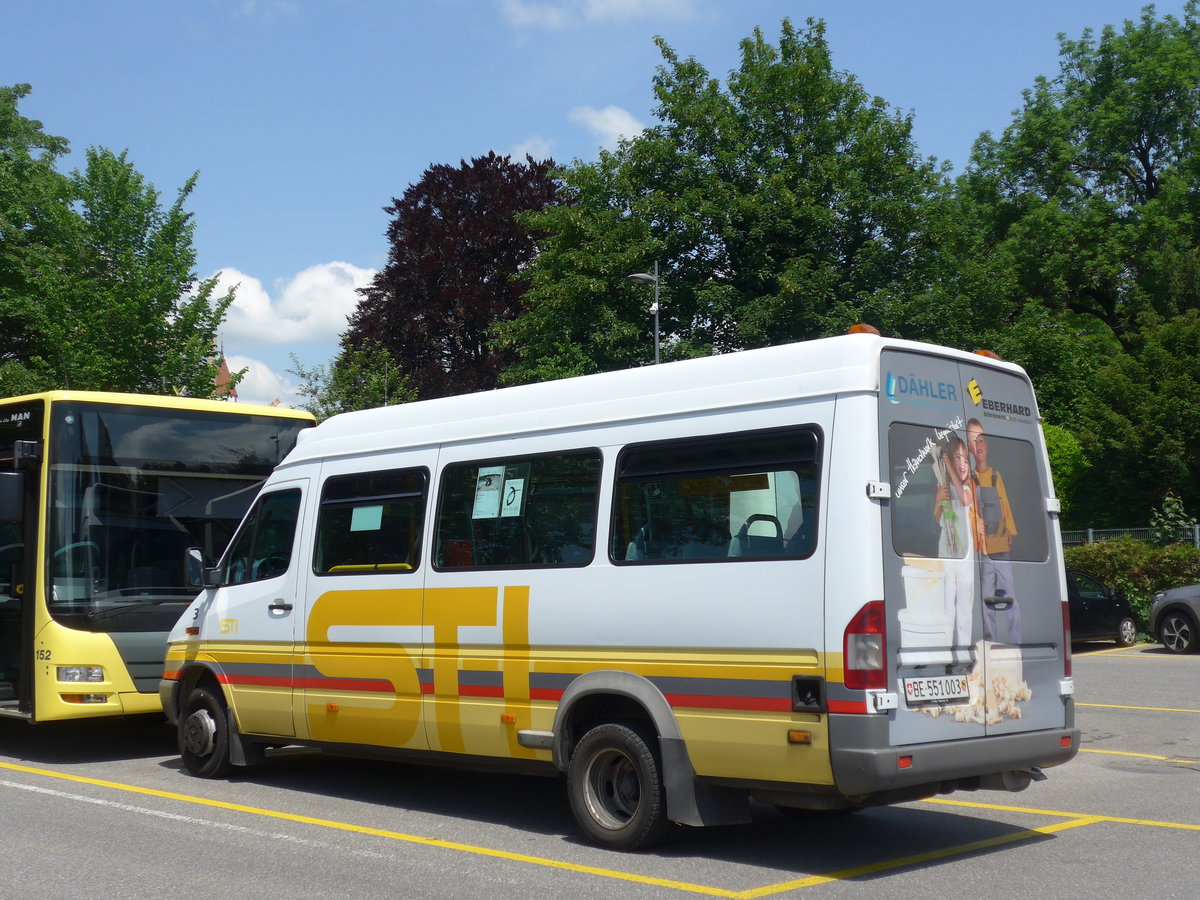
(204, 734)
(615, 786)
(1177, 632)
(1126, 632)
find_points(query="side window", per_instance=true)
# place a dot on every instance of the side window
(531, 511)
(736, 497)
(1089, 588)
(263, 547)
(371, 522)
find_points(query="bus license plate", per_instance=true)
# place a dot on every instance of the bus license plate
(935, 690)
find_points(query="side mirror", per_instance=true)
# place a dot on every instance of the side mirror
(199, 574)
(12, 496)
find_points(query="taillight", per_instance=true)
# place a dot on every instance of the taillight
(864, 649)
(1066, 613)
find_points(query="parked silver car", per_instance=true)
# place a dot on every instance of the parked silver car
(1175, 618)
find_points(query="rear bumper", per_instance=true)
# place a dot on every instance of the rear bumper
(871, 766)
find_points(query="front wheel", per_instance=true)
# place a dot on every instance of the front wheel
(1177, 632)
(1126, 632)
(204, 734)
(616, 790)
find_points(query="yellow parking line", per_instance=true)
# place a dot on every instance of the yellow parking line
(376, 832)
(1177, 759)
(1073, 820)
(915, 859)
(1140, 708)
(1148, 823)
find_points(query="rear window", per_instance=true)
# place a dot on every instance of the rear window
(964, 492)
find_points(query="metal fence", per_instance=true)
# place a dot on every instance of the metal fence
(1190, 535)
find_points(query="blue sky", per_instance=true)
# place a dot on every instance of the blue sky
(305, 117)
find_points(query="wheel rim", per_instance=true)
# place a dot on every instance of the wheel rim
(1176, 633)
(1128, 631)
(613, 789)
(199, 733)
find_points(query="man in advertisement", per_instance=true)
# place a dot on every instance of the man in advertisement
(995, 562)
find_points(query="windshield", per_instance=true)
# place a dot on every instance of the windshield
(132, 489)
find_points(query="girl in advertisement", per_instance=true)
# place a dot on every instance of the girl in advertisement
(955, 512)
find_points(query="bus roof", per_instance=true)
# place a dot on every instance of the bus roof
(161, 402)
(764, 377)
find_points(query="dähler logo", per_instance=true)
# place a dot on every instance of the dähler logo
(918, 391)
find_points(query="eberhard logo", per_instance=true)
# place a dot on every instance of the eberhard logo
(996, 408)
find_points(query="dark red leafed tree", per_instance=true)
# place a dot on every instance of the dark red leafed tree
(456, 253)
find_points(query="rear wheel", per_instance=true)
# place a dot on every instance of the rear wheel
(1126, 632)
(1177, 632)
(204, 734)
(616, 790)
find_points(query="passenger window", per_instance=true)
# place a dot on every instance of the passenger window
(263, 548)
(736, 497)
(1089, 588)
(371, 523)
(507, 513)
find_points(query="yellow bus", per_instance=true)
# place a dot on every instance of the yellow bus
(110, 505)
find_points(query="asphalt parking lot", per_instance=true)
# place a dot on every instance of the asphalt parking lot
(103, 808)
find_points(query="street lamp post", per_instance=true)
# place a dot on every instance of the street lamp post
(644, 278)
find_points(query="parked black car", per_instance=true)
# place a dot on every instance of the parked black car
(1098, 613)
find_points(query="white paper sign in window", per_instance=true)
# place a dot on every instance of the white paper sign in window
(514, 491)
(366, 518)
(488, 492)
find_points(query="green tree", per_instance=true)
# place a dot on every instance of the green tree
(1087, 204)
(781, 205)
(358, 378)
(35, 217)
(97, 282)
(1170, 523)
(1067, 463)
(1070, 245)
(1138, 420)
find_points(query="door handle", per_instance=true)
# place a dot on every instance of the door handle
(279, 605)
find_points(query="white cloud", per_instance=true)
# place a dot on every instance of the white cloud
(524, 14)
(558, 14)
(608, 125)
(535, 145)
(312, 306)
(261, 384)
(625, 10)
(266, 11)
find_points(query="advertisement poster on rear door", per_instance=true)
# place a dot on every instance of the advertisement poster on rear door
(975, 616)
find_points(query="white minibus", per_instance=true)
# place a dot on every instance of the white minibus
(822, 576)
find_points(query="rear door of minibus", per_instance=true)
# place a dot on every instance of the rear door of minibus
(971, 557)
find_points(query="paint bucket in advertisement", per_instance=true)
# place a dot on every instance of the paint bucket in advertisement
(925, 628)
